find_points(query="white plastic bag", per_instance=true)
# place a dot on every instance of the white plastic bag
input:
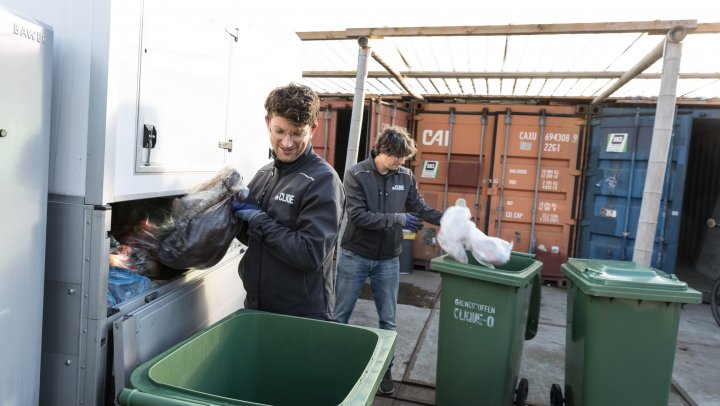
(489, 251)
(459, 234)
(455, 230)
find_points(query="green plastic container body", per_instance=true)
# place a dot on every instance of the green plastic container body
(622, 324)
(258, 358)
(485, 315)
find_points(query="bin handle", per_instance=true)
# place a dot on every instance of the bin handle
(533, 318)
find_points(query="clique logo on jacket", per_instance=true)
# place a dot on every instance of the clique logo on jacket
(285, 197)
(398, 187)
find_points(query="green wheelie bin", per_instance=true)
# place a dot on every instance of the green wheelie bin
(622, 324)
(258, 358)
(485, 316)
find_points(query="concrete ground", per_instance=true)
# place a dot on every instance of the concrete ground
(696, 374)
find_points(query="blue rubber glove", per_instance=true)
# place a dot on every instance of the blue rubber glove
(410, 222)
(244, 210)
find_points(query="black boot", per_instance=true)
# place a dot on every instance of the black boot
(386, 385)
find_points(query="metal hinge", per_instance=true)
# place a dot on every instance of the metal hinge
(235, 35)
(225, 145)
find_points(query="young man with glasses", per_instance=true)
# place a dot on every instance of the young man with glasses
(382, 199)
(293, 214)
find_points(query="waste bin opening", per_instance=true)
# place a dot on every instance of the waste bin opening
(134, 268)
(270, 359)
(518, 261)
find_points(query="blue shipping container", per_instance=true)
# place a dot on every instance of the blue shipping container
(618, 152)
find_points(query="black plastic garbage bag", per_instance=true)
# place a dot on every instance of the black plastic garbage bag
(204, 223)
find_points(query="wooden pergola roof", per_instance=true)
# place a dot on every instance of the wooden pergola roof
(583, 61)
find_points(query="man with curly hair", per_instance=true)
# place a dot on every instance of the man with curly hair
(293, 214)
(382, 199)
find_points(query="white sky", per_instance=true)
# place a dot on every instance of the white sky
(317, 15)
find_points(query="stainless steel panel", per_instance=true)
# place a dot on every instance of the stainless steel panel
(59, 374)
(61, 314)
(97, 262)
(65, 247)
(93, 362)
(151, 329)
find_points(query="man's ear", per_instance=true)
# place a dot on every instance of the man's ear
(312, 130)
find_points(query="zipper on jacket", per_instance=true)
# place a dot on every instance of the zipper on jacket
(263, 204)
(383, 198)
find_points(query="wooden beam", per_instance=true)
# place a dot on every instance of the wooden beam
(650, 101)
(657, 27)
(321, 35)
(653, 56)
(707, 28)
(503, 75)
(399, 77)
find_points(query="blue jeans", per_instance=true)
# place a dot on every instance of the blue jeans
(352, 271)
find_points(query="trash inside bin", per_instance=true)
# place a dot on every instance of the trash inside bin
(485, 315)
(622, 323)
(124, 284)
(406, 256)
(258, 358)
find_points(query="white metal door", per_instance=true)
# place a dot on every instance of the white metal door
(185, 56)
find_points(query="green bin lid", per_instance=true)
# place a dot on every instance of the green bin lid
(517, 272)
(628, 280)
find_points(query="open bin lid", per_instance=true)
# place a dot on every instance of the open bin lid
(628, 280)
(517, 272)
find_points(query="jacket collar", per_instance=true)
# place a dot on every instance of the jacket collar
(294, 165)
(375, 169)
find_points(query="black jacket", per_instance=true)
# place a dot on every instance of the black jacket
(372, 202)
(288, 265)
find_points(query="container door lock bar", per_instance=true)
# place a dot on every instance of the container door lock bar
(149, 140)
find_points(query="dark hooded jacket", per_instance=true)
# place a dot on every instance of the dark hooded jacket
(288, 264)
(373, 200)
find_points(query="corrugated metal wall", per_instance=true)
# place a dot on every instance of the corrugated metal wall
(533, 197)
(535, 181)
(331, 135)
(464, 139)
(614, 180)
(461, 154)
(615, 176)
(698, 245)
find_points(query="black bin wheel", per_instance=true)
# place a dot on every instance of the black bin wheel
(556, 397)
(521, 392)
